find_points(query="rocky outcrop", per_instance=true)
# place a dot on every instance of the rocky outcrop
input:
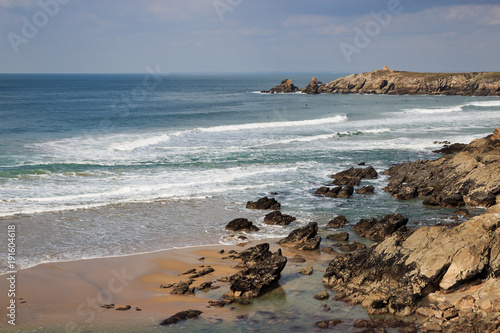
(338, 222)
(241, 224)
(303, 238)
(391, 82)
(353, 176)
(183, 315)
(335, 192)
(451, 148)
(312, 88)
(391, 276)
(277, 218)
(471, 177)
(383, 228)
(366, 190)
(286, 86)
(261, 269)
(264, 203)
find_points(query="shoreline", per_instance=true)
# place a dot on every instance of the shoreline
(67, 296)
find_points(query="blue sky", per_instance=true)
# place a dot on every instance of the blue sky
(128, 36)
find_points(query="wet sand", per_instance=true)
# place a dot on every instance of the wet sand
(68, 296)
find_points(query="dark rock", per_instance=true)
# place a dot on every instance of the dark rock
(277, 218)
(345, 192)
(183, 315)
(338, 222)
(353, 176)
(241, 224)
(262, 269)
(451, 149)
(217, 303)
(181, 288)
(203, 272)
(335, 192)
(205, 285)
(383, 228)
(366, 190)
(322, 295)
(108, 306)
(341, 236)
(286, 86)
(303, 238)
(328, 249)
(264, 203)
(348, 247)
(482, 199)
(312, 88)
(123, 308)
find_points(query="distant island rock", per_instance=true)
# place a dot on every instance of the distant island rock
(390, 82)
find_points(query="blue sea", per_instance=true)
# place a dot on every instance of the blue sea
(111, 165)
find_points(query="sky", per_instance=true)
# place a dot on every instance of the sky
(171, 36)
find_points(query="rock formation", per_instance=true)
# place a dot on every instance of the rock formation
(383, 228)
(261, 269)
(392, 276)
(387, 81)
(264, 203)
(353, 176)
(286, 86)
(335, 192)
(312, 88)
(277, 218)
(241, 224)
(471, 177)
(303, 238)
(183, 315)
(338, 222)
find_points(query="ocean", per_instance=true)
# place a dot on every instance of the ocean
(110, 165)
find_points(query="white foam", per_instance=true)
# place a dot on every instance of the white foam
(435, 110)
(277, 124)
(128, 146)
(485, 103)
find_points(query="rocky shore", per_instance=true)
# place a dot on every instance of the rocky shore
(390, 82)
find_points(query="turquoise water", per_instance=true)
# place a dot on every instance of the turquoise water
(108, 165)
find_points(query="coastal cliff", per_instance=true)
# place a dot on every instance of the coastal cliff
(390, 82)
(456, 269)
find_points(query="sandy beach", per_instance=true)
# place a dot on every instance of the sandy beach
(68, 296)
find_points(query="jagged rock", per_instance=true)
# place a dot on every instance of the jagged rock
(203, 272)
(277, 218)
(408, 266)
(286, 86)
(312, 88)
(341, 236)
(303, 238)
(451, 149)
(353, 176)
(181, 288)
(241, 224)
(264, 203)
(297, 260)
(366, 190)
(262, 269)
(471, 177)
(183, 315)
(336, 192)
(338, 222)
(383, 228)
